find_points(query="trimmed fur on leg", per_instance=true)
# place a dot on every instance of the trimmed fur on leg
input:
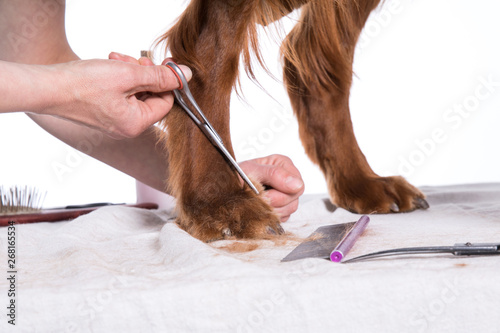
(212, 202)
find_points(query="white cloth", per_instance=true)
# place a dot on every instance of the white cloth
(122, 269)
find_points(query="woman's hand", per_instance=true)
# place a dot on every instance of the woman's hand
(121, 98)
(283, 179)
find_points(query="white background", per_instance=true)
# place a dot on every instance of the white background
(416, 61)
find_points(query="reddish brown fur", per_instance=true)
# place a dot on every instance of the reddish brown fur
(209, 37)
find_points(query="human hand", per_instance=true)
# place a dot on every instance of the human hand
(122, 98)
(282, 177)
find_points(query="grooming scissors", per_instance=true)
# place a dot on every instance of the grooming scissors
(467, 249)
(202, 122)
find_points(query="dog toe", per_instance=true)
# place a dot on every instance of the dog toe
(226, 233)
(276, 230)
(380, 195)
(420, 203)
(271, 231)
(394, 207)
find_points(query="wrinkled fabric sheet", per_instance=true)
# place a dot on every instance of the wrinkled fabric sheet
(122, 269)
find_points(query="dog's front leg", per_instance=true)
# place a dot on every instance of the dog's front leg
(212, 201)
(318, 72)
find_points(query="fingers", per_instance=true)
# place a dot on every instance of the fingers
(123, 57)
(150, 97)
(161, 78)
(283, 180)
(284, 205)
(283, 161)
(155, 79)
(154, 107)
(282, 177)
(143, 61)
(285, 191)
(278, 172)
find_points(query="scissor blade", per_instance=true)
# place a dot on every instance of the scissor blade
(214, 138)
(404, 251)
(184, 106)
(466, 249)
(203, 123)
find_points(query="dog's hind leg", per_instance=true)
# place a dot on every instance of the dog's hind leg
(318, 55)
(212, 201)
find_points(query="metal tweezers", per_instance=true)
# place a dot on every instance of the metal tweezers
(467, 249)
(202, 122)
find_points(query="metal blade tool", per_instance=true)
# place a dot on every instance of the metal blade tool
(202, 122)
(466, 249)
(330, 242)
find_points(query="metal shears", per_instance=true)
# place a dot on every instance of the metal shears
(202, 122)
(467, 249)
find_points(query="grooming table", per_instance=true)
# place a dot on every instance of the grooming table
(122, 269)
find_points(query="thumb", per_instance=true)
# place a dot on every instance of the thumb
(158, 79)
(277, 177)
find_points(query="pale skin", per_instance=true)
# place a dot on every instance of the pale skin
(42, 76)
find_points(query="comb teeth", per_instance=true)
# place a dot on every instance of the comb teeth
(18, 199)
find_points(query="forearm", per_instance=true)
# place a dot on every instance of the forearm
(38, 88)
(141, 157)
(29, 88)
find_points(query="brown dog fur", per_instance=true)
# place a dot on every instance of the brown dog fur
(318, 53)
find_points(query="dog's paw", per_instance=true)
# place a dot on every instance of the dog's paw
(378, 195)
(239, 215)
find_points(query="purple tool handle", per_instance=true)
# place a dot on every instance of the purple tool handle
(347, 243)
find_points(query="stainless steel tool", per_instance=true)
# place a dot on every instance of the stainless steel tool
(330, 241)
(467, 249)
(202, 122)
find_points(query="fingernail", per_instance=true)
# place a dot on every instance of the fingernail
(294, 183)
(119, 54)
(187, 72)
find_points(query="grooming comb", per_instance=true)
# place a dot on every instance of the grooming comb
(330, 242)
